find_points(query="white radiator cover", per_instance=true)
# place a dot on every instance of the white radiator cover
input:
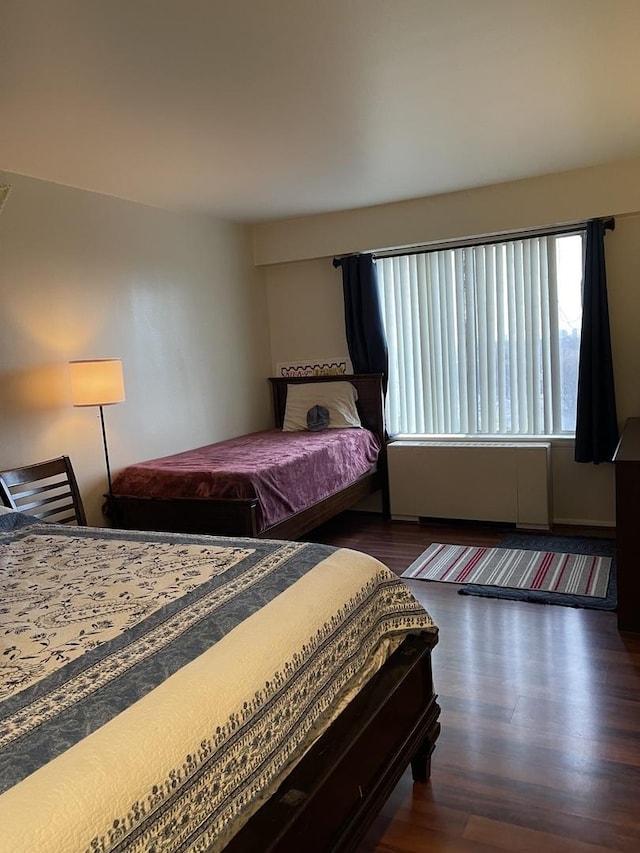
(483, 481)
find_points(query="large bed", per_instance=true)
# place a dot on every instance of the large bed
(192, 693)
(277, 483)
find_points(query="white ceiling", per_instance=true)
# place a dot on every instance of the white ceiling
(265, 109)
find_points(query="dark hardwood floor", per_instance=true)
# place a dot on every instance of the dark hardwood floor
(540, 741)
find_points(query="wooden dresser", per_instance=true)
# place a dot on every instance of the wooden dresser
(627, 468)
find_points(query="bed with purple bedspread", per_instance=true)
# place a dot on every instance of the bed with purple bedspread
(279, 483)
(285, 471)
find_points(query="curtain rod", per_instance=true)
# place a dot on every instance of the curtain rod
(608, 224)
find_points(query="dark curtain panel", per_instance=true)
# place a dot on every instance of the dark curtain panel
(366, 339)
(596, 418)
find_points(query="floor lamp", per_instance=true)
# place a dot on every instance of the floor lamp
(98, 382)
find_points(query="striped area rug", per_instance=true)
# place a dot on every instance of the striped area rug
(551, 571)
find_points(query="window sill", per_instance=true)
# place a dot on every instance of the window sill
(557, 440)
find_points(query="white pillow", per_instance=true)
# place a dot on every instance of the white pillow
(5, 509)
(338, 397)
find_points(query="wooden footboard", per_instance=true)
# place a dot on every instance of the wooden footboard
(230, 517)
(184, 515)
(333, 795)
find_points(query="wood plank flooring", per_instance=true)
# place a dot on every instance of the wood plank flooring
(540, 742)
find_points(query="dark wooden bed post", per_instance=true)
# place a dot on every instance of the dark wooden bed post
(383, 464)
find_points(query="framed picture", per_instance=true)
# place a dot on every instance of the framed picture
(4, 192)
(314, 367)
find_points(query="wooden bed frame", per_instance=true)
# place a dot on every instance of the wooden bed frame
(332, 796)
(239, 517)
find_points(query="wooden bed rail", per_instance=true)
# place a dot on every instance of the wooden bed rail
(332, 796)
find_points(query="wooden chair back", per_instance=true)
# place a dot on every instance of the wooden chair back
(47, 490)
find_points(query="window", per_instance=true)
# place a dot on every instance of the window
(484, 339)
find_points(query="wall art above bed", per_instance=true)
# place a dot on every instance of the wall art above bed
(4, 192)
(314, 367)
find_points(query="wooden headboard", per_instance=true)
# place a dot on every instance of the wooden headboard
(370, 397)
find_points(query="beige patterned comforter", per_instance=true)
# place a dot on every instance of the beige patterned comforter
(156, 688)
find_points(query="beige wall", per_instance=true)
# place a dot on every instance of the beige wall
(306, 311)
(305, 299)
(175, 296)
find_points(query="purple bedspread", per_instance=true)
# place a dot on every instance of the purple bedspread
(286, 471)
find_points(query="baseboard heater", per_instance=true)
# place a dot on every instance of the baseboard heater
(482, 481)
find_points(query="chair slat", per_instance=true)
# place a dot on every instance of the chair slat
(51, 500)
(47, 490)
(48, 487)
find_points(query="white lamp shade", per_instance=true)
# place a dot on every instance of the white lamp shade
(97, 382)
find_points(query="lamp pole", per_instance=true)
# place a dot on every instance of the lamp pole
(106, 452)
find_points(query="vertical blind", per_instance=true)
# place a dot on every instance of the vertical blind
(474, 339)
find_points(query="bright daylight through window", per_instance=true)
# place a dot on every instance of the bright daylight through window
(484, 340)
